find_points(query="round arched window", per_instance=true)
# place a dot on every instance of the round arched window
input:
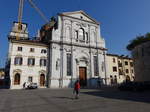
(81, 34)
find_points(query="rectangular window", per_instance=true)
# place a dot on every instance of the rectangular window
(18, 61)
(31, 49)
(95, 60)
(131, 64)
(127, 71)
(132, 70)
(31, 61)
(68, 64)
(42, 62)
(114, 69)
(119, 64)
(114, 61)
(120, 72)
(30, 79)
(126, 63)
(19, 48)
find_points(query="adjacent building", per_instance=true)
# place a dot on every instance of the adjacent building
(27, 59)
(141, 55)
(119, 69)
(70, 47)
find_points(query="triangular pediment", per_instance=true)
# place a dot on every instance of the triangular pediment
(80, 15)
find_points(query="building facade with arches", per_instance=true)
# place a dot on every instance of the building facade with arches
(75, 51)
(27, 63)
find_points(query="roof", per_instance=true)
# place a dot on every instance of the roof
(119, 56)
(30, 42)
(76, 12)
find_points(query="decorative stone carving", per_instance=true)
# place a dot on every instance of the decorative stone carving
(83, 25)
(17, 71)
(77, 61)
(57, 64)
(67, 49)
(54, 47)
(42, 72)
(78, 24)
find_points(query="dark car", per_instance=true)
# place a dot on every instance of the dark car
(32, 86)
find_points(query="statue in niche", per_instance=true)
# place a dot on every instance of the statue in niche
(57, 64)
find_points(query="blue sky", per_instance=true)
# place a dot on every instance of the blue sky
(121, 20)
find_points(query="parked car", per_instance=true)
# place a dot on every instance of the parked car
(32, 86)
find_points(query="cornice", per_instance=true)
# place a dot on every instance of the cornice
(78, 45)
(30, 42)
(79, 19)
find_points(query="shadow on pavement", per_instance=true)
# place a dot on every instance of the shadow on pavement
(121, 95)
(62, 97)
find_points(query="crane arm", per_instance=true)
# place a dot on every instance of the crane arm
(20, 11)
(38, 10)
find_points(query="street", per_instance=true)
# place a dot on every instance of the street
(62, 100)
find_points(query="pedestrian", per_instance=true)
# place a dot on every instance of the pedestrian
(76, 89)
(99, 82)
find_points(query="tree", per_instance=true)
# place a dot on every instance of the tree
(137, 41)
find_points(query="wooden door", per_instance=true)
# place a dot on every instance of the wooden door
(42, 80)
(82, 76)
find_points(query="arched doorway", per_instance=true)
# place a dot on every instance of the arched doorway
(111, 80)
(82, 76)
(42, 80)
(128, 79)
(115, 80)
(17, 79)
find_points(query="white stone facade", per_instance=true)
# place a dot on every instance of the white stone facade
(24, 70)
(82, 49)
(77, 37)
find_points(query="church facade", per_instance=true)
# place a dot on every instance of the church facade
(75, 51)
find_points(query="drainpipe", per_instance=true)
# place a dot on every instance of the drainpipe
(49, 67)
(71, 58)
(90, 51)
(97, 54)
(105, 67)
(61, 55)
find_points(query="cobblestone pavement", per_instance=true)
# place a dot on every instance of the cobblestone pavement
(62, 100)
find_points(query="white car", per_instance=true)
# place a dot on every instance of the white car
(31, 85)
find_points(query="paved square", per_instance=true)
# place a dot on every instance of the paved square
(61, 100)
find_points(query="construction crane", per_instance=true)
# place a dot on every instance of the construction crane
(20, 18)
(38, 10)
(20, 14)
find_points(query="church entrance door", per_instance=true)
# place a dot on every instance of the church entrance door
(82, 76)
(42, 80)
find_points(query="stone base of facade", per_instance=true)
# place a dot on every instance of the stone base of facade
(69, 83)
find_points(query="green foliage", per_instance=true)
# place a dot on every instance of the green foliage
(137, 41)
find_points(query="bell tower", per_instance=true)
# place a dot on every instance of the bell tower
(22, 33)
